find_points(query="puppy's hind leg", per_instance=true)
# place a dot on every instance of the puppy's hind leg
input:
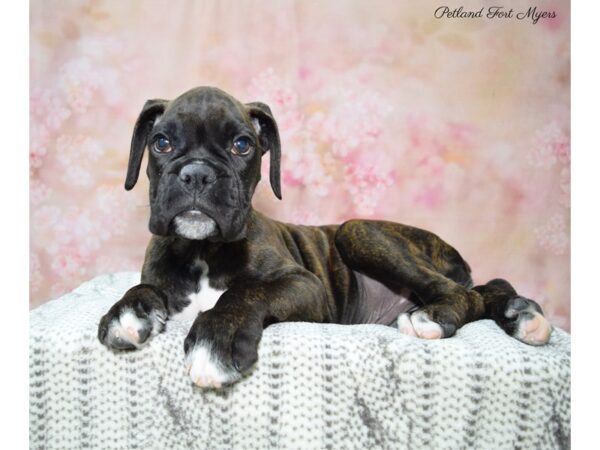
(403, 257)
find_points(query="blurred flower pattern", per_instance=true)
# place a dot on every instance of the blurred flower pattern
(458, 126)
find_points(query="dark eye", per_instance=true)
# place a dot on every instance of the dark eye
(241, 146)
(161, 144)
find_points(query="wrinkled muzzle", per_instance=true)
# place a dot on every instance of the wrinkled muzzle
(199, 201)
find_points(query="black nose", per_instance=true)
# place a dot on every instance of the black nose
(197, 174)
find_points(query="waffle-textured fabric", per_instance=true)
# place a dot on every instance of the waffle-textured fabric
(314, 386)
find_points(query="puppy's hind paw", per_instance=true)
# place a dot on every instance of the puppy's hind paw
(419, 324)
(527, 322)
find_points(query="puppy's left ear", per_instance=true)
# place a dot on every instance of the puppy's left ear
(266, 128)
(143, 125)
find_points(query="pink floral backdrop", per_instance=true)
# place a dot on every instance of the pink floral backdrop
(458, 126)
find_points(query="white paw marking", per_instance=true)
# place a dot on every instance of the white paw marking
(425, 327)
(534, 331)
(204, 299)
(205, 370)
(420, 325)
(405, 325)
(127, 328)
(129, 325)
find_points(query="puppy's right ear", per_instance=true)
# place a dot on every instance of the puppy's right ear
(143, 125)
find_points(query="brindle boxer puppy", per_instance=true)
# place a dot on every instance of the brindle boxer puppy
(214, 258)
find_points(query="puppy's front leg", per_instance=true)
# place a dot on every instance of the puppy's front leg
(222, 344)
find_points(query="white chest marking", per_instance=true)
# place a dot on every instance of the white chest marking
(203, 300)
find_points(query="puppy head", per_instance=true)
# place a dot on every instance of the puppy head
(205, 149)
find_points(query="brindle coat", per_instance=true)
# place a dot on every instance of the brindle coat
(358, 272)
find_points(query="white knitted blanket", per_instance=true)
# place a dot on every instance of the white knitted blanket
(315, 386)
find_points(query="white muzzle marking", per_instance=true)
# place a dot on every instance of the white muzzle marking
(194, 225)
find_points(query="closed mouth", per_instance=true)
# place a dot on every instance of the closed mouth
(194, 224)
(194, 214)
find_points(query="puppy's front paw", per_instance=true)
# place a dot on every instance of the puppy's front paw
(130, 323)
(526, 322)
(221, 348)
(207, 369)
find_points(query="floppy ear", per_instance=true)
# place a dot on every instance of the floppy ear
(269, 140)
(143, 125)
